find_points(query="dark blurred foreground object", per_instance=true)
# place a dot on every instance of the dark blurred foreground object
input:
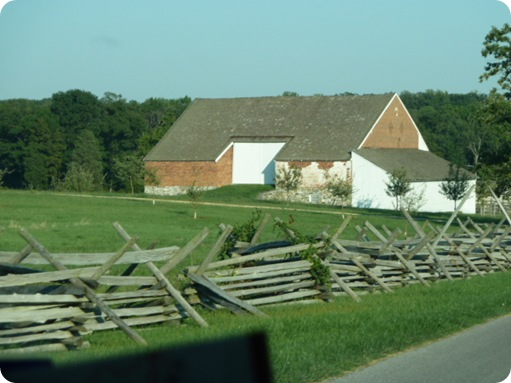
(237, 360)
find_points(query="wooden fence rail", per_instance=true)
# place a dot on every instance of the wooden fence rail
(356, 267)
(48, 310)
(85, 292)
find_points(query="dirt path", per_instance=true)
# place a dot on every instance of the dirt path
(243, 206)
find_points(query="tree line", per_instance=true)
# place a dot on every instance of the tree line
(473, 131)
(76, 141)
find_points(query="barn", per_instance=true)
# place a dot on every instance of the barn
(218, 142)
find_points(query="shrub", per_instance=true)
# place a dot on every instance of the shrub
(77, 179)
(288, 179)
(340, 188)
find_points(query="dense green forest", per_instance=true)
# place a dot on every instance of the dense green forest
(471, 130)
(78, 142)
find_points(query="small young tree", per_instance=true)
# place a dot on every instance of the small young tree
(455, 184)
(194, 193)
(340, 188)
(414, 200)
(288, 179)
(398, 185)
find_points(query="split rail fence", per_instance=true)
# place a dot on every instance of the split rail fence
(52, 310)
(41, 309)
(277, 272)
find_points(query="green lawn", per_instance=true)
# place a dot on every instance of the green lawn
(308, 343)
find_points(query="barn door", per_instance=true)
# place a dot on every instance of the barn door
(254, 162)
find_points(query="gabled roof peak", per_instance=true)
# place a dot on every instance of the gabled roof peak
(324, 127)
(315, 96)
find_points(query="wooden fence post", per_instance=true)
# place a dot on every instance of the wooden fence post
(260, 229)
(341, 228)
(88, 292)
(497, 240)
(163, 280)
(453, 216)
(430, 248)
(371, 275)
(500, 205)
(176, 294)
(215, 289)
(114, 258)
(418, 247)
(21, 255)
(184, 251)
(215, 250)
(343, 285)
(463, 256)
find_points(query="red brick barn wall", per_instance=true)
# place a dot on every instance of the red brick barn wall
(395, 129)
(186, 173)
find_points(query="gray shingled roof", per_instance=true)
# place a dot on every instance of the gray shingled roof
(419, 165)
(315, 128)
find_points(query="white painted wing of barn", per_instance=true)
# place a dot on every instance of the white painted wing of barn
(369, 185)
(254, 162)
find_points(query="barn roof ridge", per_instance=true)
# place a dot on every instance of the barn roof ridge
(324, 127)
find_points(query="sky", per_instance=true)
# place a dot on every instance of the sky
(239, 48)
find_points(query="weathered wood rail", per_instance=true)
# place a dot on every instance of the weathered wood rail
(377, 260)
(82, 293)
(52, 310)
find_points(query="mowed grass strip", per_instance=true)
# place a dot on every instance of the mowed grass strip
(308, 343)
(72, 223)
(84, 222)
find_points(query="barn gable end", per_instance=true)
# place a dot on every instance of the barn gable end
(394, 129)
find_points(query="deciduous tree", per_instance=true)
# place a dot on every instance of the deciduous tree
(398, 185)
(87, 153)
(497, 47)
(288, 179)
(129, 172)
(455, 184)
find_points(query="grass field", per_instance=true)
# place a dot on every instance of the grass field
(308, 343)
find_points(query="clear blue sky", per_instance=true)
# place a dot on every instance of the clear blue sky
(239, 48)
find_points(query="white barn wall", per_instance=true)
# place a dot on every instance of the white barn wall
(369, 184)
(437, 202)
(432, 200)
(470, 206)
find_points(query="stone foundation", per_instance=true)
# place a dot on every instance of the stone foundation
(303, 195)
(171, 190)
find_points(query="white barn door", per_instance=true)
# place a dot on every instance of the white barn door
(254, 162)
